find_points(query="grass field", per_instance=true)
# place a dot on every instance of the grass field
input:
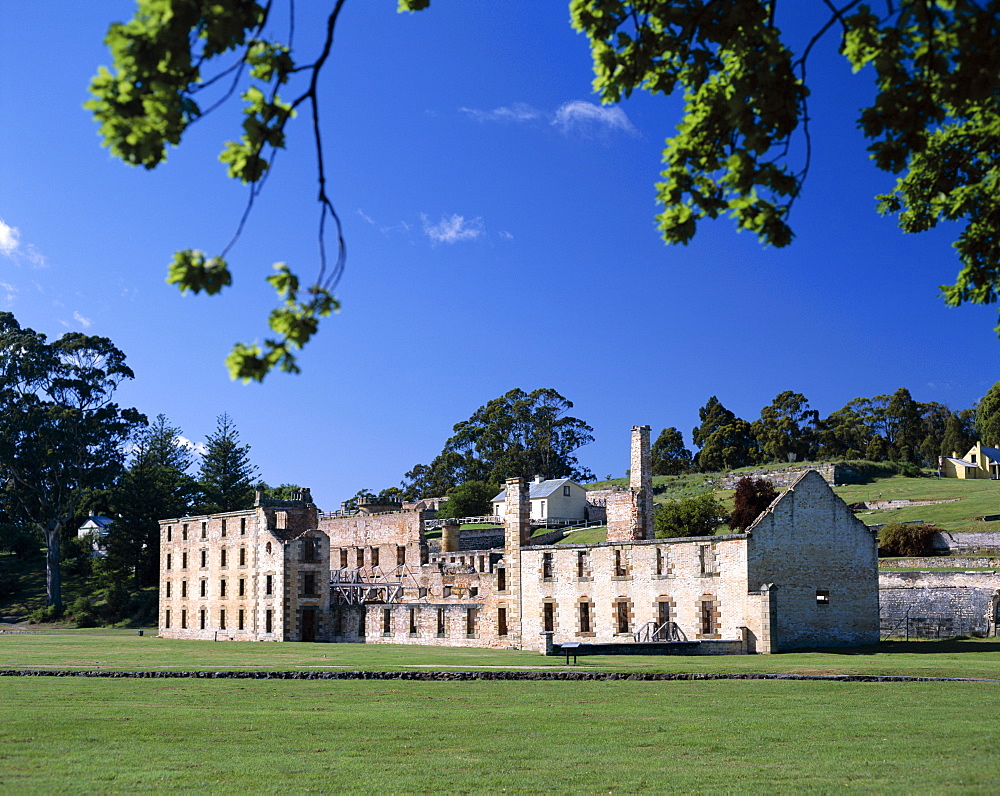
(82, 735)
(109, 649)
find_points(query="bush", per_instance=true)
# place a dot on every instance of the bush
(83, 612)
(695, 516)
(752, 496)
(50, 613)
(899, 539)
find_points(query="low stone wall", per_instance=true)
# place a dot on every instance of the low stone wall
(926, 604)
(937, 562)
(969, 540)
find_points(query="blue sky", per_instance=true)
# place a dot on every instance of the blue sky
(500, 232)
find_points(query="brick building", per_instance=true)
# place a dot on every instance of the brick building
(804, 574)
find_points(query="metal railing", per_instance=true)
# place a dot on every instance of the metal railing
(651, 631)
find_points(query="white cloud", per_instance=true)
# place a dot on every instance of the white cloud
(585, 117)
(9, 238)
(7, 294)
(518, 112)
(366, 217)
(86, 323)
(453, 228)
(506, 235)
(197, 448)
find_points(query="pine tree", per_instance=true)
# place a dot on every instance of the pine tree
(226, 476)
(669, 456)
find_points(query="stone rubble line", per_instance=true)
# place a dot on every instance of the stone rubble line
(471, 676)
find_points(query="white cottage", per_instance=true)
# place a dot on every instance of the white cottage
(553, 499)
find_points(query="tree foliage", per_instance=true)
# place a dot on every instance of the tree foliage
(901, 539)
(226, 476)
(787, 426)
(751, 497)
(988, 417)
(668, 456)
(694, 516)
(471, 499)
(61, 433)
(934, 120)
(156, 485)
(726, 441)
(518, 434)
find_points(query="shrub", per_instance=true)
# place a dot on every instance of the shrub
(695, 516)
(83, 612)
(899, 539)
(50, 613)
(753, 495)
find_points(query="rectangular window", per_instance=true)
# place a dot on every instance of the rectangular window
(470, 622)
(168, 560)
(343, 558)
(268, 583)
(184, 560)
(582, 564)
(222, 557)
(169, 532)
(184, 619)
(707, 617)
(400, 555)
(621, 615)
(501, 621)
(501, 579)
(239, 620)
(309, 550)
(243, 526)
(413, 621)
(361, 557)
(309, 584)
(204, 530)
(566, 492)
(584, 617)
(621, 564)
(203, 588)
(166, 619)
(222, 587)
(659, 561)
(374, 556)
(223, 529)
(168, 588)
(662, 613)
(708, 566)
(822, 597)
(386, 621)
(440, 622)
(222, 619)
(482, 563)
(243, 587)
(201, 619)
(541, 509)
(184, 588)
(243, 556)
(548, 617)
(204, 558)
(184, 532)
(546, 566)
(268, 621)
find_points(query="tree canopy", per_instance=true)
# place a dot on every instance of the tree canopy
(668, 456)
(61, 433)
(226, 476)
(742, 147)
(518, 434)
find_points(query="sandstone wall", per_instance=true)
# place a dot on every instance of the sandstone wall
(936, 604)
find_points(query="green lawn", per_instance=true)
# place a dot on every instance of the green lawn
(82, 735)
(599, 533)
(108, 649)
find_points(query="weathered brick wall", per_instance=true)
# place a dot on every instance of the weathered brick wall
(453, 630)
(823, 564)
(641, 574)
(936, 604)
(307, 565)
(386, 532)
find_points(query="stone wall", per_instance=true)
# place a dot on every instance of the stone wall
(833, 473)
(379, 540)
(938, 604)
(971, 540)
(821, 562)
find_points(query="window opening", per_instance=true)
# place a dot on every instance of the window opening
(470, 622)
(621, 612)
(268, 621)
(440, 622)
(239, 620)
(501, 621)
(386, 622)
(548, 617)
(584, 617)
(546, 566)
(413, 621)
(268, 584)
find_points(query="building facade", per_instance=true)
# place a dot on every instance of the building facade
(804, 574)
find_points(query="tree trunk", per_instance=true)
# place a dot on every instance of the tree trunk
(53, 577)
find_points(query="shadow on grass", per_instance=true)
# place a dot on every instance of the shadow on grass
(916, 647)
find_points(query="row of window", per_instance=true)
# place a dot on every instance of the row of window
(241, 616)
(622, 616)
(470, 624)
(708, 563)
(309, 586)
(203, 558)
(371, 554)
(204, 530)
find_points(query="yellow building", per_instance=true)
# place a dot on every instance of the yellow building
(980, 462)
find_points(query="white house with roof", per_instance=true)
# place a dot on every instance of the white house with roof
(96, 529)
(981, 461)
(552, 499)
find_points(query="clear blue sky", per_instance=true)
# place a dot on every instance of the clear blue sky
(500, 234)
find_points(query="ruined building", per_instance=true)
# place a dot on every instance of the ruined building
(804, 574)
